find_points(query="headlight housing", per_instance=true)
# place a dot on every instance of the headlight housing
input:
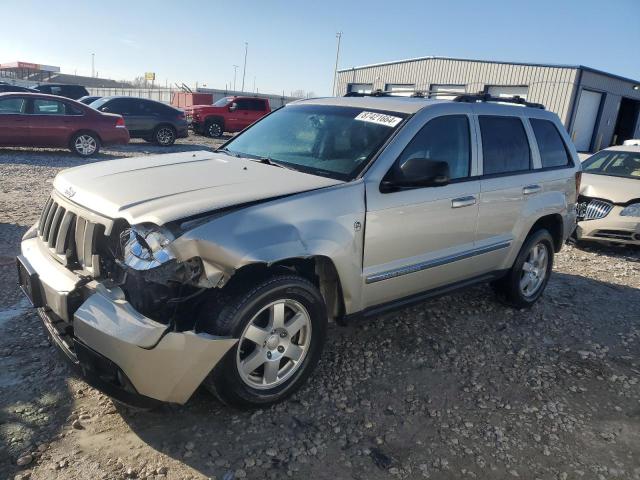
(146, 246)
(632, 210)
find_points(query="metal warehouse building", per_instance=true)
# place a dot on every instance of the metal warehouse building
(597, 108)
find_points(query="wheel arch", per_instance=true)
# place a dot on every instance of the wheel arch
(554, 224)
(214, 118)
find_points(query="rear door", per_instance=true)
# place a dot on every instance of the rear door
(508, 182)
(258, 110)
(244, 114)
(49, 124)
(14, 125)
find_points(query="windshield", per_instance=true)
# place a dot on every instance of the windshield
(614, 163)
(330, 141)
(222, 102)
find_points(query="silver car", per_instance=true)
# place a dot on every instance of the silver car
(164, 273)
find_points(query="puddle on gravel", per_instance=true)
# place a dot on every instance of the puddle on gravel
(14, 311)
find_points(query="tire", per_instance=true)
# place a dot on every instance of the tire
(528, 277)
(164, 135)
(214, 129)
(255, 314)
(85, 144)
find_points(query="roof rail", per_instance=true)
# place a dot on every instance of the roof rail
(485, 97)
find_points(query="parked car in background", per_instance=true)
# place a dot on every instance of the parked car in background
(229, 114)
(70, 91)
(89, 99)
(5, 87)
(609, 202)
(147, 119)
(223, 268)
(39, 120)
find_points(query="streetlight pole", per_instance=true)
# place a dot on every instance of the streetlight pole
(335, 70)
(93, 65)
(235, 69)
(244, 70)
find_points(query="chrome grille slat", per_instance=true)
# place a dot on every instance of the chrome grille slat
(87, 244)
(55, 227)
(597, 209)
(48, 221)
(81, 224)
(43, 216)
(64, 233)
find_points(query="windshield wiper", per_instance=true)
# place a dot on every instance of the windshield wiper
(226, 151)
(269, 161)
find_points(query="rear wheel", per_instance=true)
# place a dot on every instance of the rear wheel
(85, 144)
(526, 280)
(214, 129)
(281, 326)
(164, 135)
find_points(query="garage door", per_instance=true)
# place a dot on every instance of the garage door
(508, 91)
(403, 90)
(452, 91)
(360, 87)
(585, 121)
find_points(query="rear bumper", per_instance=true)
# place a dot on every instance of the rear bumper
(117, 136)
(117, 349)
(612, 228)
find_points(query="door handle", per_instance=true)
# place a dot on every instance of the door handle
(463, 202)
(530, 189)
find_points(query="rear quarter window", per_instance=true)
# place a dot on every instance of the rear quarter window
(505, 148)
(553, 151)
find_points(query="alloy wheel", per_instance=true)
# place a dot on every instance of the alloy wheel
(534, 270)
(85, 145)
(214, 130)
(165, 136)
(274, 344)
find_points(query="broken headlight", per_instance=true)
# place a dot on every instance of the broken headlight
(146, 246)
(632, 210)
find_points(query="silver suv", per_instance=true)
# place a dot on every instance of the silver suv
(158, 274)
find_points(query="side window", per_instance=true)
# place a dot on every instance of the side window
(243, 104)
(72, 110)
(47, 107)
(121, 106)
(258, 105)
(505, 147)
(12, 105)
(445, 139)
(553, 151)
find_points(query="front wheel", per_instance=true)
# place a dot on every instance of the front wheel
(526, 280)
(85, 144)
(214, 130)
(281, 326)
(165, 136)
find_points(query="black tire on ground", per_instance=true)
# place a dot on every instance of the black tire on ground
(214, 129)
(509, 288)
(164, 135)
(232, 315)
(85, 144)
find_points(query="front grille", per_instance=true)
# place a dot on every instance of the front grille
(593, 209)
(70, 238)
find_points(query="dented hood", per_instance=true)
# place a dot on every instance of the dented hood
(607, 187)
(163, 188)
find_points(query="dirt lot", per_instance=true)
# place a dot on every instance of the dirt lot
(460, 387)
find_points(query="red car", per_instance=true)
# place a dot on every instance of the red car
(39, 120)
(229, 114)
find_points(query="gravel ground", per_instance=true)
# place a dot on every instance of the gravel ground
(460, 387)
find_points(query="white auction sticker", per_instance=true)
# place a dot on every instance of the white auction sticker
(379, 118)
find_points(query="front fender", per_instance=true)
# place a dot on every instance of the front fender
(327, 222)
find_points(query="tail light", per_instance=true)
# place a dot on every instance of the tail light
(120, 122)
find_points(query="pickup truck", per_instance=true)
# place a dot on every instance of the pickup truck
(229, 114)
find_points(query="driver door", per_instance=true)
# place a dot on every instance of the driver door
(423, 238)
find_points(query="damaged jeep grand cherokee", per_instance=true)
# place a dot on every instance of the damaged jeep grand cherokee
(164, 273)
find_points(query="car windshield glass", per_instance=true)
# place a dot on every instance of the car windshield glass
(222, 102)
(329, 141)
(614, 163)
(98, 103)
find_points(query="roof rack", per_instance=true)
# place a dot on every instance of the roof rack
(485, 97)
(386, 93)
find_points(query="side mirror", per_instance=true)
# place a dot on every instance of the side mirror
(233, 107)
(418, 172)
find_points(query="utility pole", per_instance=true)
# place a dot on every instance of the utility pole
(93, 65)
(254, 84)
(335, 70)
(244, 70)
(235, 70)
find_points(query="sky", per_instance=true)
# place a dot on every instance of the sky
(292, 44)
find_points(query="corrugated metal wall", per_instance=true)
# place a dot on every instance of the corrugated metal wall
(613, 89)
(554, 87)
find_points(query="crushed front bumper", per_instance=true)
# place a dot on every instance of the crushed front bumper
(612, 228)
(118, 350)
